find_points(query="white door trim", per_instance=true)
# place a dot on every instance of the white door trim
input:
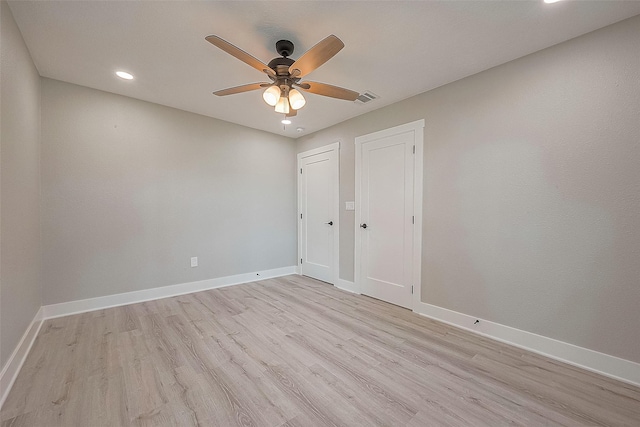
(336, 206)
(417, 128)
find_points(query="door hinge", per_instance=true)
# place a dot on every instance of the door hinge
(411, 289)
(413, 220)
(300, 260)
(300, 216)
(414, 149)
(300, 171)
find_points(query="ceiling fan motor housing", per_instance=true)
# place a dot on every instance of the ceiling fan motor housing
(281, 65)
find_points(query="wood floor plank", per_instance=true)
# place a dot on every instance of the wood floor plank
(294, 351)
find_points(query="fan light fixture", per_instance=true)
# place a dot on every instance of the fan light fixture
(283, 105)
(271, 95)
(296, 99)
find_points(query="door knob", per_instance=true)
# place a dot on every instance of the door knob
(363, 225)
(330, 222)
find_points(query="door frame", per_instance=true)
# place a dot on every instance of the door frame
(336, 206)
(417, 127)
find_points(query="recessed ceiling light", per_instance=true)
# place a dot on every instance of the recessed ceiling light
(286, 122)
(299, 130)
(551, 1)
(124, 75)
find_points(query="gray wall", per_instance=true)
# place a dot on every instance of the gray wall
(131, 190)
(20, 296)
(532, 191)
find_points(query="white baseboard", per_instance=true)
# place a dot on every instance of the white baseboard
(348, 286)
(99, 303)
(12, 368)
(591, 360)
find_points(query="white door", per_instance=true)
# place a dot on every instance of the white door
(318, 213)
(385, 215)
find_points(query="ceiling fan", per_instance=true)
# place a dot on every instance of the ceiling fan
(285, 74)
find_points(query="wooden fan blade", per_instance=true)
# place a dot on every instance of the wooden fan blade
(316, 56)
(239, 53)
(329, 90)
(240, 89)
(291, 113)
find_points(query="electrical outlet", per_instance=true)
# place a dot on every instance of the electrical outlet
(194, 261)
(350, 206)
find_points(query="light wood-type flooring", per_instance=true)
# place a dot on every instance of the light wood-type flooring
(294, 352)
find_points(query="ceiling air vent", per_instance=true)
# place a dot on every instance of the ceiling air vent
(365, 97)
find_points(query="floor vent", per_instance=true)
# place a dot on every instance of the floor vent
(366, 97)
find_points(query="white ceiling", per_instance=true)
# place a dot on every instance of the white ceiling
(395, 49)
